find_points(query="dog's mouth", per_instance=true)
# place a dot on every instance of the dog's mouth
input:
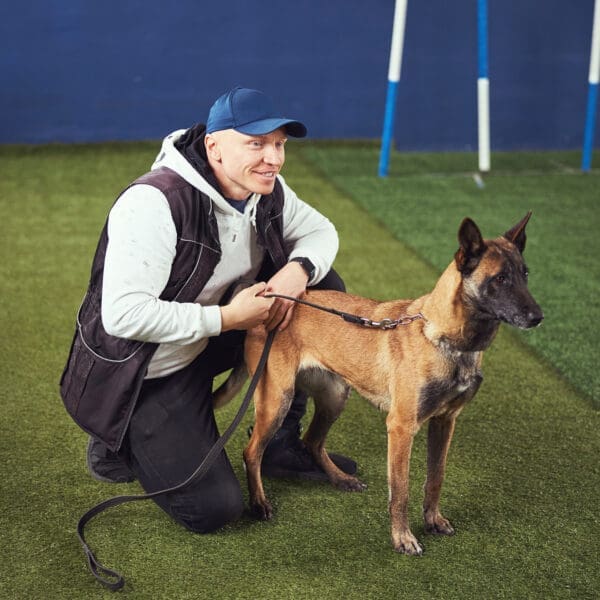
(523, 316)
(527, 320)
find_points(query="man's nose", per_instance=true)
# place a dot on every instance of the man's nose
(273, 156)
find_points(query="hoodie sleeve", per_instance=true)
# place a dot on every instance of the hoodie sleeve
(308, 233)
(141, 248)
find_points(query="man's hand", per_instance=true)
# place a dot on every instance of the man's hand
(291, 281)
(247, 309)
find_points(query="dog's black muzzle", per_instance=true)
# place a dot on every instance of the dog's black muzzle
(531, 317)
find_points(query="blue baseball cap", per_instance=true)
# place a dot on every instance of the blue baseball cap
(250, 112)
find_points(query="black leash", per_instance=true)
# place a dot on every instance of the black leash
(114, 580)
(383, 324)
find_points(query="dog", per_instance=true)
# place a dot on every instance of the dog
(423, 371)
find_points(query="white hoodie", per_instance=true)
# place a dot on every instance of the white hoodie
(142, 240)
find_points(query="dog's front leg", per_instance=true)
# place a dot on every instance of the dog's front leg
(400, 439)
(439, 436)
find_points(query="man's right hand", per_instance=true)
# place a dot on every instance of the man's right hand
(247, 309)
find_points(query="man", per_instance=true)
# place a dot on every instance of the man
(159, 319)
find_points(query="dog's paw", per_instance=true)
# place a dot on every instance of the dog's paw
(440, 526)
(436, 524)
(350, 484)
(408, 544)
(262, 510)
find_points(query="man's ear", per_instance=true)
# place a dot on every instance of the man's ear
(471, 248)
(212, 147)
(516, 235)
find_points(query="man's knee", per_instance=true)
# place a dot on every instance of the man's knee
(212, 511)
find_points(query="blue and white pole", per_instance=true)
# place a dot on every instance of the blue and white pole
(592, 101)
(393, 80)
(483, 87)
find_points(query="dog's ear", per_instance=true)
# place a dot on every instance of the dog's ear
(471, 249)
(516, 235)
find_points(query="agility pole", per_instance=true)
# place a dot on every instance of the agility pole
(483, 87)
(393, 80)
(592, 100)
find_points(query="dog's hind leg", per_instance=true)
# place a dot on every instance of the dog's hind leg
(272, 402)
(439, 436)
(330, 393)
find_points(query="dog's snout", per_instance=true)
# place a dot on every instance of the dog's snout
(527, 318)
(534, 317)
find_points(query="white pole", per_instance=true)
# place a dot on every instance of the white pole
(397, 41)
(483, 123)
(593, 80)
(594, 75)
(483, 88)
(393, 79)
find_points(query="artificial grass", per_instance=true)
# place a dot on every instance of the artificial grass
(522, 480)
(425, 197)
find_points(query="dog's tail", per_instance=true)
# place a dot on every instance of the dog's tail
(231, 386)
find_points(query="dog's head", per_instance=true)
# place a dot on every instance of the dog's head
(494, 275)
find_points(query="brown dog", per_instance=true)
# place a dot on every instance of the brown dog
(426, 370)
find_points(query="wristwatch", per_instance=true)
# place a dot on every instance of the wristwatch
(308, 267)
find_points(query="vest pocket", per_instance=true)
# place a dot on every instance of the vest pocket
(76, 375)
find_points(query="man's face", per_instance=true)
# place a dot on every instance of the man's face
(245, 164)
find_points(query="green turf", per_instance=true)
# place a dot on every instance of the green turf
(523, 475)
(426, 196)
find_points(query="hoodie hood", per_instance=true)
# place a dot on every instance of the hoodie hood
(183, 152)
(191, 145)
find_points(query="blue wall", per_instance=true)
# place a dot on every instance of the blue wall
(538, 68)
(76, 70)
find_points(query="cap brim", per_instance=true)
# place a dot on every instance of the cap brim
(293, 128)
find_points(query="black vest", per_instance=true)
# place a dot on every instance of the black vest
(103, 375)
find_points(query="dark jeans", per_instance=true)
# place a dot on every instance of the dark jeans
(173, 428)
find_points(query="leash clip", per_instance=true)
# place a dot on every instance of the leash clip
(409, 319)
(389, 323)
(383, 324)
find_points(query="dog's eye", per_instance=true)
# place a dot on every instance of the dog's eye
(501, 278)
(525, 273)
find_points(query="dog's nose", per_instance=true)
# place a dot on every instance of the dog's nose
(534, 317)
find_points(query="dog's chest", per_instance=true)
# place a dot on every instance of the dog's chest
(449, 392)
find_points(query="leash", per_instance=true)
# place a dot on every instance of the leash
(350, 318)
(114, 580)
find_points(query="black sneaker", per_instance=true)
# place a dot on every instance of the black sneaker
(105, 465)
(286, 456)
